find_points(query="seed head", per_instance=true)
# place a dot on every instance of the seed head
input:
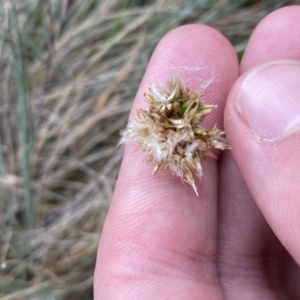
(170, 131)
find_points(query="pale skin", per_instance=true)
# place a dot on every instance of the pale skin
(240, 238)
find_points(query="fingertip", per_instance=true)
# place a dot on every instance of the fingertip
(192, 53)
(275, 37)
(201, 57)
(187, 41)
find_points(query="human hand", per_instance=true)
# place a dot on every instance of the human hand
(240, 238)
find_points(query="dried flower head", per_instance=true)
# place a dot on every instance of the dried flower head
(170, 131)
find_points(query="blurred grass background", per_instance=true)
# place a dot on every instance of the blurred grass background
(69, 73)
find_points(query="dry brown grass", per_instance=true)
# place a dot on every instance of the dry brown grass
(69, 72)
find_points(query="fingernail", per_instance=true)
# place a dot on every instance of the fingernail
(269, 99)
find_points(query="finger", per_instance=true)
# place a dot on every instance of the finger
(159, 239)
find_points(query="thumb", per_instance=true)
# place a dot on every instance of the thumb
(262, 122)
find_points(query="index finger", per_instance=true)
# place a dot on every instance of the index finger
(158, 233)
